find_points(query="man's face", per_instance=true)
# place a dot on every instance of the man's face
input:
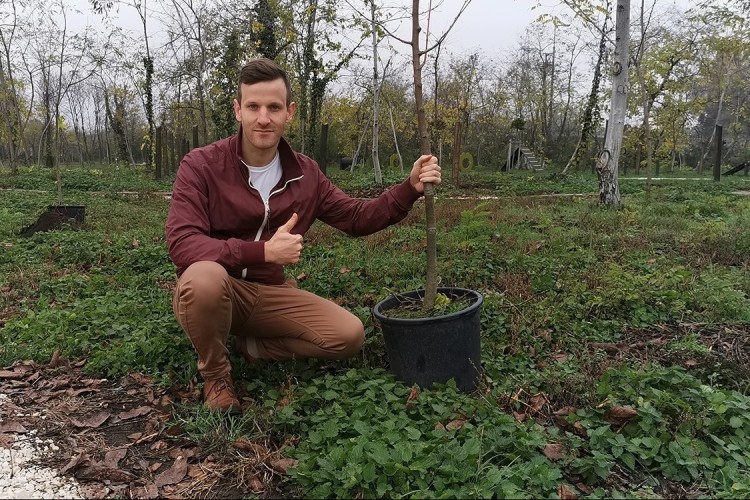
(264, 115)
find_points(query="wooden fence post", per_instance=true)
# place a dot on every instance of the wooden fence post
(158, 152)
(171, 149)
(717, 165)
(323, 155)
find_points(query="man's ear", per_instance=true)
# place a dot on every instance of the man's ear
(237, 115)
(290, 111)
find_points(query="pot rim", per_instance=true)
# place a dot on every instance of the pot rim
(378, 309)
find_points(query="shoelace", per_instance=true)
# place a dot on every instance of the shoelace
(220, 385)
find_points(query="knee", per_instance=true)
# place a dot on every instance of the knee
(203, 282)
(352, 337)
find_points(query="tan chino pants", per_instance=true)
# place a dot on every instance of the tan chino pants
(277, 322)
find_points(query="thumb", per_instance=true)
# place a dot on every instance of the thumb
(289, 225)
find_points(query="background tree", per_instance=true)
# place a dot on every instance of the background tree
(607, 165)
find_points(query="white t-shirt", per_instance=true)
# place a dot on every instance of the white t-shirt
(264, 178)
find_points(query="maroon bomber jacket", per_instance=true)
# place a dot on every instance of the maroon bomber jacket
(215, 215)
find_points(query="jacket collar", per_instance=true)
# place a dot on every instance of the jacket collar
(290, 166)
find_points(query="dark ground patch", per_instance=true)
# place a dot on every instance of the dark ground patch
(56, 217)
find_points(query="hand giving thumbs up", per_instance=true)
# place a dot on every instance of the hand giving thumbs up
(284, 247)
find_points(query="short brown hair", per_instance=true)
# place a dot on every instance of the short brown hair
(263, 70)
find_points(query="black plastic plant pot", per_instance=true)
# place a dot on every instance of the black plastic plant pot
(430, 350)
(67, 212)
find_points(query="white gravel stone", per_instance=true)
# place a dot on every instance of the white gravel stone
(21, 478)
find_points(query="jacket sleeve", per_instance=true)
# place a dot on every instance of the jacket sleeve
(357, 217)
(188, 228)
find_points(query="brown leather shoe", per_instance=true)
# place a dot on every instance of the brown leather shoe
(219, 395)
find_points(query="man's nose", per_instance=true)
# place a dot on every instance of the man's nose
(263, 116)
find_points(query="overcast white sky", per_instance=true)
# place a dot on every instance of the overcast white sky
(492, 26)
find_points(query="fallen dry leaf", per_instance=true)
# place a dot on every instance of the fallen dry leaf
(174, 474)
(159, 445)
(283, 464)
(149, 490)
(140, 378)
(585, 488)
(560, 357)
(94, 421)
(135, 412)
(413, 394)
(256, 485)
(554, 451)
(344, 270)
(520, 417)
(454, 425)
(55, 361)
(620, 414)
(579, 429)
(78, 392)
(100, 472)
(14, 375)
(254, 448)
(112, 457)
(566, 492)
(537, 401)
(565, 410)
(6, 441)
(301, 277)
(175, 453)
(439, 426)
(12, 426)
(135, 243)
(74, 462)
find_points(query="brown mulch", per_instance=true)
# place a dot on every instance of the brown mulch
(118, 437)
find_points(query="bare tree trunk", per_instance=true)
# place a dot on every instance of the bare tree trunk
(395, 139)
(606, 167)
(424, 147)
(713, 130)
(592, 106)
(375, 100)
(456, 156)
(355, 157)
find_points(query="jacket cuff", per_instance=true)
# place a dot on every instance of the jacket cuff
(252, 253)
(405, 194)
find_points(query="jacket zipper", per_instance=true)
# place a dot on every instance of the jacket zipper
(267, 206)
(267, 210)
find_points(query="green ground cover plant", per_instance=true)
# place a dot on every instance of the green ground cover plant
(613, 342)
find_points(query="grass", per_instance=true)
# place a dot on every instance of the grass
(587, 311)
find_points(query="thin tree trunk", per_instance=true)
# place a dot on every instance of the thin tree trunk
(395, 139)
(375, 100)
(430, 292)
(456, 156)
(592, 106)
(713, 130)
(609, 188)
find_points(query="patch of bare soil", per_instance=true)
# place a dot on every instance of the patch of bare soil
(117, 437)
